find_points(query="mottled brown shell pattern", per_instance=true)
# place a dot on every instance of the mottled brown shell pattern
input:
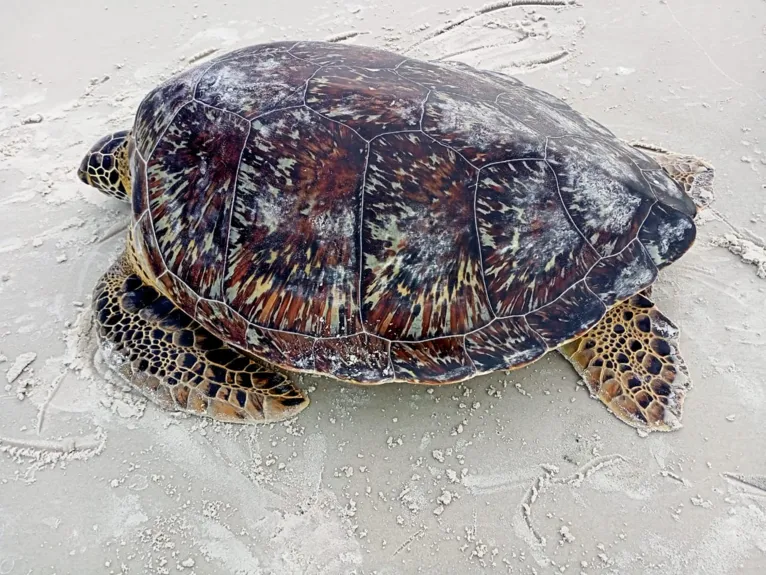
(345, 210)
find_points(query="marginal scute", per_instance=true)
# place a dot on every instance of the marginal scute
(361, 358)
(670, 192)
(504, 344)
(620, 276)
(147, 252)
(287, 350)
(219, 319)
(293, 262)
(532, 252)
(436, 361)
(372, 102)
(138, 193)
(422, 272)
(666, 234)
(183, 296)
(191, 179)
(569, 316)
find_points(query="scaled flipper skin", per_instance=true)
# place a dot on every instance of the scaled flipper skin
(631, 361)
(177, 363)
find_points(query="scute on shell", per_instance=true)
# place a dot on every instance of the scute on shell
(349, 211)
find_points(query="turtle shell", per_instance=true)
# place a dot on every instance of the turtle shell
(348, 211)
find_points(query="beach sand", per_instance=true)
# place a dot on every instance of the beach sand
(516, 473)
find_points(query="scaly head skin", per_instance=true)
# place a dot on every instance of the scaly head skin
(106, 166)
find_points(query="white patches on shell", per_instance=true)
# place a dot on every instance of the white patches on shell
(333, 226)
(531, 250)
(273, 206)
(631, 278)
(535, 261)
(481, 124)
(603, 191)
(605, 204)
(559, 237)
(620, 276)
(421, 274)
(665, 184)
(372, 102)
(228, 80)
(668, 234)
(157, 109)
(251, 84)
(480, 130)
(580, 155)
(547, 120)
(275, 126)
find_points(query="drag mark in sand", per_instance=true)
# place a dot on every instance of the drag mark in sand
(478, 48)
(51, 392)
(419, 533)
(486, 9)
(534, 63)
(344, 36)
(523, 525)
(757, 482)
(50, 452)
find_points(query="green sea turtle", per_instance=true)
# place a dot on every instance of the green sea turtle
(347, 211)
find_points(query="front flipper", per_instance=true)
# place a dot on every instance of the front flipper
(630, 360)
(177, 363)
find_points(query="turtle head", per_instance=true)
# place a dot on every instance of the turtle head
(106, 166)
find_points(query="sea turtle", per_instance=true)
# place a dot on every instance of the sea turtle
(347, 211)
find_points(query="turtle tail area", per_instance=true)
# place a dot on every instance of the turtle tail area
(178, 364)
(630, 361)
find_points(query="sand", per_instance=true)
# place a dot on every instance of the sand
(511, 473)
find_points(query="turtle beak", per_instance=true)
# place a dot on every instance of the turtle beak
(82, 171)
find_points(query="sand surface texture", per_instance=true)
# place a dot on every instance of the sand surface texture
(510, 473)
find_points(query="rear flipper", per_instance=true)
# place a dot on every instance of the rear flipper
(694, 174)
(177, 363)
(630, 360)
